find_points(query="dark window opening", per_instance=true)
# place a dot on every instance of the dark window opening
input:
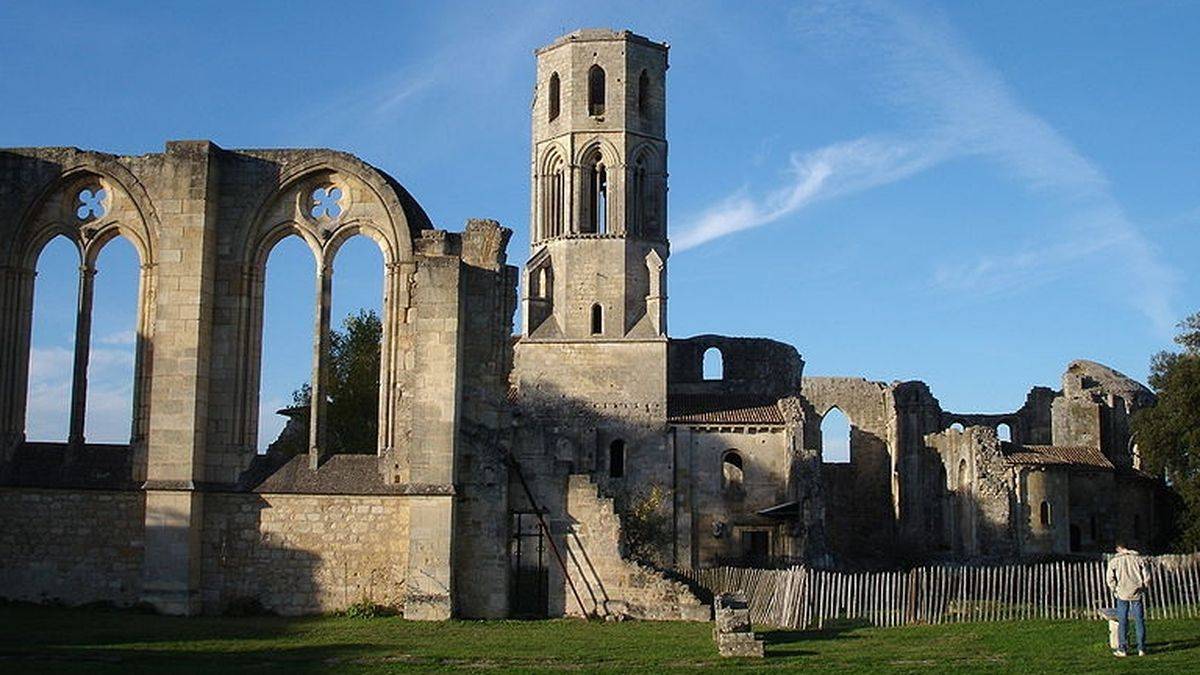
(1044, 514)
(639, 197)
(597, 319)
(596, 91)
(756, 548)
(554, 92)
(616, 459)
(644, 94)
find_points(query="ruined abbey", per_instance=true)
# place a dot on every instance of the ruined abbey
(566, 470)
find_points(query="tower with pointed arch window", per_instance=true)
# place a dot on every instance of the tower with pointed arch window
(599, 187)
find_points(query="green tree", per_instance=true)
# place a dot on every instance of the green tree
(353, 384)
(1168, 434)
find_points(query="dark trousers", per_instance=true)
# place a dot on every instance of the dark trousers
(1124, 609)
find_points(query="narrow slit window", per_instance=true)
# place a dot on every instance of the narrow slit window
(644, 94)
(616, 459)
(596, 87)
(1044, 514)
(597, 319)
(554, 96)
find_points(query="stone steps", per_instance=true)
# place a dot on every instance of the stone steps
(625, 589)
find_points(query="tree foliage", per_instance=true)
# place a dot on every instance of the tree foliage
(645, 528)
(353, 406)
(1168, 434)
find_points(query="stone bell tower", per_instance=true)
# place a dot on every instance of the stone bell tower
(597, 266)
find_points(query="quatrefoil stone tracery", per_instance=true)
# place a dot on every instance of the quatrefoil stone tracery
(91, 204)
(326, 202)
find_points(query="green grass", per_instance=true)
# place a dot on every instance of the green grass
(41, 639)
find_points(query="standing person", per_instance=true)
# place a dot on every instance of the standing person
(1128, 577)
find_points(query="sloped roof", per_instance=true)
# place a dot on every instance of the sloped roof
(739, 409)
(1059, 455)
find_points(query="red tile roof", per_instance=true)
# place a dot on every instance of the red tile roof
(1059, 455)
(738, 409)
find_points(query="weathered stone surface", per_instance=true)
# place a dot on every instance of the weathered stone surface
(731, 627)
(593, 418)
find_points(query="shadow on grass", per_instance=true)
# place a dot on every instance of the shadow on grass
(185, 659)
(790, 642)
(1172, 646)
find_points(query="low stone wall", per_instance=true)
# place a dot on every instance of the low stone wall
(71, 546)
(304, 554)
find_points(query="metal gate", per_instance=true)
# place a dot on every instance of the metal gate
(527, 555)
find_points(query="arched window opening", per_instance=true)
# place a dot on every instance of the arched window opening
(713, 364)
(596, 91)
(113, 344)
(732, 473)
(597, 319)
(52, 343)
(616, 459)
(1044, 514)
(553, 197)
(286, 357)
(1004, 432)
(554, 96)
(544, 279)
(355, 341)
(964, 476)
(644, 94)
(957, 426)
(835, 437)
(640, 195)
(595, 195)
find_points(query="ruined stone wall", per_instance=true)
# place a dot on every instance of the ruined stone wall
(977, 491)
(749, 366)
(1052, 486)
(480, 546)
(859, 511)
(607, 583)
(69, 546)
(302, 554)
(714, 510)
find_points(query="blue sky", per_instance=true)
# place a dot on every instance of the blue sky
(971, 194)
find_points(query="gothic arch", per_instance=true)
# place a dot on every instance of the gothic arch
(55, 211)
(370, 204)
(608, 153)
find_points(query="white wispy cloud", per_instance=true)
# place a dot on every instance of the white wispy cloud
(125, 337)
(962, 107)
(109, 395)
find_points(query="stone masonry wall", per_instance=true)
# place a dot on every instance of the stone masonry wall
(608, 584)
(301, 554)
(70, 546)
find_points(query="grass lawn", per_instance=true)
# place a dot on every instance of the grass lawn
(40, 639)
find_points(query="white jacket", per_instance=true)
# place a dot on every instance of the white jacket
(1128, 575)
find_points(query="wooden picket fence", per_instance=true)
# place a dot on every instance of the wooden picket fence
(800, 598)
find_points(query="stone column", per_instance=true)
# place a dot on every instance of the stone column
(179, 391)
(83, 337)
(432, 449)
(16, 312)
(318, 425)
